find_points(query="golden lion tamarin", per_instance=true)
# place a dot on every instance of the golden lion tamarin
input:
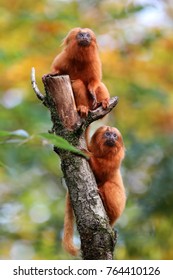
(106, 152)
(80, 60)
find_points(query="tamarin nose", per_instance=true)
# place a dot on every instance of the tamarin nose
(85, 35)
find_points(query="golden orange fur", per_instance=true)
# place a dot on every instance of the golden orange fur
(80, 60)
(106, 152)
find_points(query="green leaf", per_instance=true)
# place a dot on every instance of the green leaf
(19, 136)
(20, 133)
(61, 143)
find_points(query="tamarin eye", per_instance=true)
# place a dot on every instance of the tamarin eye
(80, 35)
(87, 35)
(115, 135)
(83, 35)
(110, 134)
(107, 133)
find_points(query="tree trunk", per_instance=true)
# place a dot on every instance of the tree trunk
(97, 237)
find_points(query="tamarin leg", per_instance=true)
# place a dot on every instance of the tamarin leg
(102, 95)
(81, 97)
(113, 197)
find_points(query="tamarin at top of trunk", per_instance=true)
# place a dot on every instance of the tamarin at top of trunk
(80, 60)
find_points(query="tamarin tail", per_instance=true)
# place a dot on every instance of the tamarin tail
(69, 229)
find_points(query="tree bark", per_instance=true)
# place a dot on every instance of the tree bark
(97, 237)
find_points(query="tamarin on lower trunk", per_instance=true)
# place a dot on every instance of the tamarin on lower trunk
(106, 152)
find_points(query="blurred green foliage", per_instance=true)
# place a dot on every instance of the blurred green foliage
(138, 67)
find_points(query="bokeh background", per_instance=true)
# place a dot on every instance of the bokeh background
(135, 40)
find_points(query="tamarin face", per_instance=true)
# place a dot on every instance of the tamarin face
(107, 140)
(110, 138)
(107, 135)
(83, 38)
